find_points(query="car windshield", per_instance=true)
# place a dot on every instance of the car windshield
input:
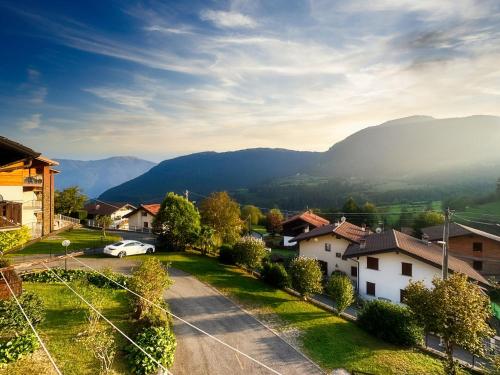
(118, 244)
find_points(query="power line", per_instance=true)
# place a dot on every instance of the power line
(478, 222)
(108, 321)
(31, 325)
(182, 320)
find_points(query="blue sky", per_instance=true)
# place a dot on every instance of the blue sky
(158, 79)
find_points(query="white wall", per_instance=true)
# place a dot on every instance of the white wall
(137, 220)
(117, 215)
(12, 193)
(388, 279)
(315, 248)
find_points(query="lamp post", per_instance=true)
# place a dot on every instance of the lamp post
(66, 243)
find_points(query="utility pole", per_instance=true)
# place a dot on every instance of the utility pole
(186, 194)
(446, 239)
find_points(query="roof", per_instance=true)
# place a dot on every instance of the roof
(151, 208)
(47, 160)
(345, 230)
(435, 233)
(392, 240)
(11, 151)
(104, 208)
(308, 217)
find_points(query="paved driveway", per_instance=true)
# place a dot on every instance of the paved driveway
(206, 308)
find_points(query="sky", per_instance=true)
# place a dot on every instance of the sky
(91, 79)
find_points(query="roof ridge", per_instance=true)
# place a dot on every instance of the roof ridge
(395, 238)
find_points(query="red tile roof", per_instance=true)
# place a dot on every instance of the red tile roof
(345, 230)
(151, 208)
(308, 217)
(392, 241)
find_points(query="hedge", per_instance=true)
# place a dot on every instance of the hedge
(12, 239)
(275, 275)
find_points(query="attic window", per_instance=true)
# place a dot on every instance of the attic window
(328, 247)
(406, 269)
(144, 213)
(477, 246)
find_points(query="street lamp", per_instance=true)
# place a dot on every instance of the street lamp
(66, 243)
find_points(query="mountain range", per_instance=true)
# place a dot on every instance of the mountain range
(97, 176)
(418, 152)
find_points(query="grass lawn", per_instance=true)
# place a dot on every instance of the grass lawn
(329, 340)
(259, 229)
(285, 252)
(65, 318)
(80, 239)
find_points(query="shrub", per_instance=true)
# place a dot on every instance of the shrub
(101, 281)
(16, 347)
(148, 281)
(390, 322)
(4, 262)
(340, 289)
(11, 317)
(250, 251)
(306, 276)
(12, 239)
(160, 343)
(48, 276)
(227, 255)
(275, 274)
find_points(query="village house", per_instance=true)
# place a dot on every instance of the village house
(388, 261)
(300, 223)
(328, 244)
(142, 217)
(26, 189)
(115, 210)
(478, 248)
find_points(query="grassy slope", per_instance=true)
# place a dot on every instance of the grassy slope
(411, 207)
(330, 341)
(80, 239)
(65, 319)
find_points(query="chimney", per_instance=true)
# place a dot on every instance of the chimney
(363, 227)
(425, 239)
(337, 223)
(362, 243)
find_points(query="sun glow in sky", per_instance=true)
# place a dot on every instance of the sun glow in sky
(158, 79)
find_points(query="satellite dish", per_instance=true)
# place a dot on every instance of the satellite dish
(97, 206)
(378, 230)
(343, 218)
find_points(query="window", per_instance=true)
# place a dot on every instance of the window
(324, 267)
(144, 213)
(354, 271)
(402, 295)
(328, 247)
(338, 255)
(146, 224)
(477, 246)
(372, 263)
(370, 288)
(406, 269)
(477, 265)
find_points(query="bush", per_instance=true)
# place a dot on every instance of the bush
(48, 276)
(306, 276)
(275, 275)
(159, 342)
(250, 251)
(12, 239)
(5, 262)
(340, 289)
(227, 255)
(16, 347)
(11, 317)
(390, 322)
(102, 282)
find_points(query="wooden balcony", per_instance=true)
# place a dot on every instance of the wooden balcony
(10, 215)
(33, 181)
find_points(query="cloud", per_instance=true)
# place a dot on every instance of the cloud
(227, 19)
(31, 123)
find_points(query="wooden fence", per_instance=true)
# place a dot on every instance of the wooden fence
(14, 281)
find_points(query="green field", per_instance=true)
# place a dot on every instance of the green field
(329, 340)
(392, 211)
(80, 239)
(66, 318)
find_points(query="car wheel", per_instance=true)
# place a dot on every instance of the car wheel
(149, 251)
(121, 254)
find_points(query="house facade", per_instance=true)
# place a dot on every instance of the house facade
(479, 249)
(388, 261)
(26, 189)
(328, 244)
(142, 217)
(300, 223)
(117, 211)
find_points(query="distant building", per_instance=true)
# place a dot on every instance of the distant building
(142, 217)
(116, 210)
(478, 248)
(389, 260)
(300, 223)
(26, 189)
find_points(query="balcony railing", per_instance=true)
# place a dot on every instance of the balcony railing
(33, 204)
(10, 214)
(33, 180)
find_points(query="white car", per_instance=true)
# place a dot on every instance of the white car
(128, 247)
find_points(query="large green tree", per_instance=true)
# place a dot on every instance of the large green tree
(274, 218)
(220, 212)
(456, 310)
(69, 200)
(177, 223)
(252, 213)
(427, 219)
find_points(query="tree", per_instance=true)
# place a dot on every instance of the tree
(177, 222)
(306, 276)
(250, 251)
(427, 219)
(252, 212)
(351, 211)
(371, 218)
(456, 310)
(104, 221)
(340, 289)
(207, 240)
(274, 218)
(69, 200)
(222, 213)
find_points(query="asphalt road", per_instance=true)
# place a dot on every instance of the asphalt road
(206, 308)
